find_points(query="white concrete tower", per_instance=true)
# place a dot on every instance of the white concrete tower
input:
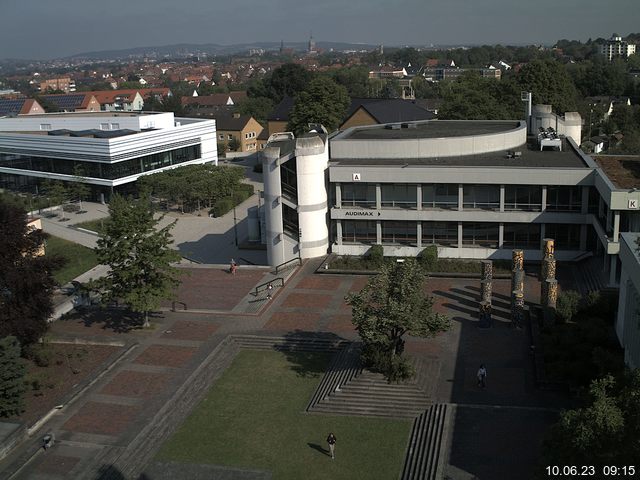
(273, 204)
(312, 157)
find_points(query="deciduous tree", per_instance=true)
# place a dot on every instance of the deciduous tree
(139, 256)
(391, 305)
(323, 101)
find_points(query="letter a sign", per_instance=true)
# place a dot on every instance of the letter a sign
(355, 177)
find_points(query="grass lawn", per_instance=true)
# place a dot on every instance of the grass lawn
(254, 418)
(93, 225)
(79, 258)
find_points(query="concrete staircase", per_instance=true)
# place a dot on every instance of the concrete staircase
(423, 458)
(347, 389)
(293, 343)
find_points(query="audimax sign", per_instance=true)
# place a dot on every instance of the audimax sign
(361, 213)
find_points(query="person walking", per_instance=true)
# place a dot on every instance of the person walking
(331, 440)
(482, 376)
(233, 267)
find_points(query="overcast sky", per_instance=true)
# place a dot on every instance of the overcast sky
(40, 29)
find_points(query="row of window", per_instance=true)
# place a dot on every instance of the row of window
(109, 171)
(446, 196)
(515, 235)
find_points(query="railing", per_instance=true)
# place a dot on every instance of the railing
(399, 204)
(265, 285)
(288, 264)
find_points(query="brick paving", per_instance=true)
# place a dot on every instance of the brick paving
(165, 355)
(309, 303)
(56, 464)
(136, 384)
(101, 418)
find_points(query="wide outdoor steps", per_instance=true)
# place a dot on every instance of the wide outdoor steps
(291, 343)
(369, 394)
(425, 445)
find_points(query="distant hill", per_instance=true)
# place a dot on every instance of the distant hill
(184, 49)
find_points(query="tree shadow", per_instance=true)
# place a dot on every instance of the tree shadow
(109, 472)
(117, 320)
(319, 448)
(307, 361)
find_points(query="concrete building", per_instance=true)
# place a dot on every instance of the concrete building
(66, 84)
(628, 321)
(113, 149)
(476, 189)
(617, 47)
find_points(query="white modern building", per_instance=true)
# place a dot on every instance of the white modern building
(616, 47)
(476, 189)
(112, 149)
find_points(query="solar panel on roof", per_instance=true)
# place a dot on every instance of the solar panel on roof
(11, 107)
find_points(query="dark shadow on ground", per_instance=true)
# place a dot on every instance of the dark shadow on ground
(117, 320)
(305, 362)
(109, 472)
(319, 448)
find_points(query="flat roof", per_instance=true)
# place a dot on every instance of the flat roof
(531, 157)
(432, 129)
(88, 114)
(622, 170)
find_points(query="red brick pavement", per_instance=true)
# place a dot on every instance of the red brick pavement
(289, 321)
(216, 288)
(56, 464)
(359, 283)
(101, 418)
(191, 330)
(340, 323)
(310, 300)
(165, 355)
(319, 282)
(136, 384)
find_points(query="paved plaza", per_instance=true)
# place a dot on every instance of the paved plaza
(493, 434)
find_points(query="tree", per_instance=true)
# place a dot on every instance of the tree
(288, 80)
(79, 189)
(26, 283)
(139, 256)
(12, 372)
(323, 101)
(550, 84)
(606, 431)
(391, 305)
(259, 108)
(57, 193)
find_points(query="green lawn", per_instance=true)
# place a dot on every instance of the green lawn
(79, 258)
(93, 225)
(253, 417)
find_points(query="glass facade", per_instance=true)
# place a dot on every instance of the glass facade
(290, 221)
(440, 233)
(399, 195)
(359, 195)
(567, 237)
(564, 199)
(403, 233)
(354, 231)
(526, 198)
(521, 235)
(484, 197)
(289, 179)
(109, 171)
(480, 234)
(440, 196)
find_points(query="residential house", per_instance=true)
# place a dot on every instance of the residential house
(73, 102)
(375, 111)
(19, 106)
(242, 128)
(279, 118)
(65, 84)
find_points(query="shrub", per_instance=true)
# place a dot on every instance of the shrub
(567, 305)
(71, 208)
(376, 255)
(221, 207)
(377, 358)
(602, 304)
(428, 258)
(39, 354)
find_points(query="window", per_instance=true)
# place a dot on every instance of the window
(480, 234)
(229, 137)
(104, 126)
(221, 137)
(564, 199)
(523, 198)
(358, 231)
(484, 197)
(45, 126)
(521, 235)
(440, 233)
(404, 233)
(567, 237)
(399, 195)
(358, 195)
(115, 126)
(443, 196)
